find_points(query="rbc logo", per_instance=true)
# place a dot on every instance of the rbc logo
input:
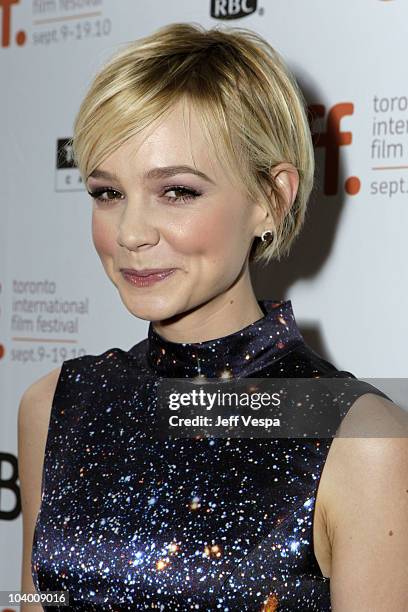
(232, 9)
(5, 20)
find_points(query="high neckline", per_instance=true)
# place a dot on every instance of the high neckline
(235, 355)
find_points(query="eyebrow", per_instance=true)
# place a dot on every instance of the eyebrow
(156, 173)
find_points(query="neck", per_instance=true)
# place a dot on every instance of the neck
(222, 315)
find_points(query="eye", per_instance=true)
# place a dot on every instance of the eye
(187, 194)
(97, 193)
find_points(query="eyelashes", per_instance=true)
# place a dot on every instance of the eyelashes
(187, 194)
(96, 194)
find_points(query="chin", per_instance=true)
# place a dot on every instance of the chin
(150, 307)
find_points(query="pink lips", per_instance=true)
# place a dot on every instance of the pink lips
(147, 276)
(145, 271)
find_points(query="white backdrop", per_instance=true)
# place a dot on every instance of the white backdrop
(346, 275)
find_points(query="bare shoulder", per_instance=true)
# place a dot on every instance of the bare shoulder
(34, 413)
(364, 501)
(32, 401)
(374, 430)
(373, 416)
(33, 421)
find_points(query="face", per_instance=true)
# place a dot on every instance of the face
(194, 220)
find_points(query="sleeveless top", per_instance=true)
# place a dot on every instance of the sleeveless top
(131, 522)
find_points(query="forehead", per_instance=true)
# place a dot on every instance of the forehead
(177, 138)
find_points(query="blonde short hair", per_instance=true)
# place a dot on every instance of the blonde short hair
(249, 106)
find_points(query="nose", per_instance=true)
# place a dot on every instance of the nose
(136, 227)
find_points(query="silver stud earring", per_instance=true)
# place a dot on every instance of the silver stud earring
(264, 234)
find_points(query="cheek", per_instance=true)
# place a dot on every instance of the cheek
(217, 235)
(103, 235)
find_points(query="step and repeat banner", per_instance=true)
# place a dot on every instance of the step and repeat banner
(346, 276)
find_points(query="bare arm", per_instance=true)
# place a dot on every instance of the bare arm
(367, 518)
(33, 420)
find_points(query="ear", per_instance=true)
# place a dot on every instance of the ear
(286, 176)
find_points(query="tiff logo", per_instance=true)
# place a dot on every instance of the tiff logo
(5, 19)
(232, 9)
(331, 139)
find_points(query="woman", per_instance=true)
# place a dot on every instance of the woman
(196, 150)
